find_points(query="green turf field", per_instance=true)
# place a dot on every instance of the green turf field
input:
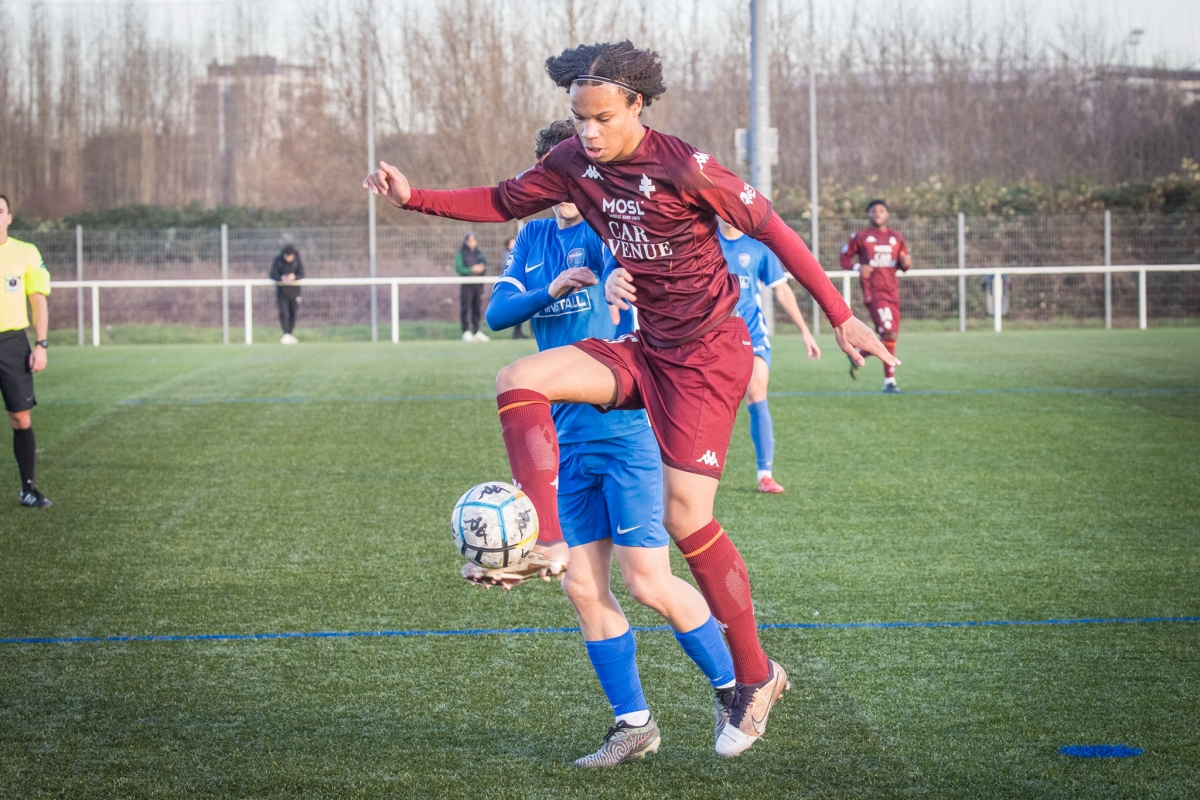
(240, 490)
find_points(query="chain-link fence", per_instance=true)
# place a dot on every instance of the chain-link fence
(427, 249)
(1051, 300)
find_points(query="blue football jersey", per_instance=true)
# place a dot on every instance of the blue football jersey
(541, 253)
(752, 263)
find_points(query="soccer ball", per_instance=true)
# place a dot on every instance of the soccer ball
(494, 525)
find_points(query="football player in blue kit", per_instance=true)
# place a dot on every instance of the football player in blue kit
(610, 492)
(753, 263)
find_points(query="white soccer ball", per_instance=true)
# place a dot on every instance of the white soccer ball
(494, 525)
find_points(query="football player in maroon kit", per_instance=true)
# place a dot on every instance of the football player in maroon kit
(875, 253)
(654, 200)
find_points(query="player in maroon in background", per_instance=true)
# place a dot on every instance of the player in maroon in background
(654, 200)
(875, 253)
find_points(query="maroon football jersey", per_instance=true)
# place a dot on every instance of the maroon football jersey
(882, 249)
(657, 213)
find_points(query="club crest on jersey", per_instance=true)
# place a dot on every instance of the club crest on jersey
(575, 258)
(646, 186)
(12, 283)
(748, 194)
(593, 173)
(701, 159)
(744, 259)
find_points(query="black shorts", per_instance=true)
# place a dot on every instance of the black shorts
(16, 381)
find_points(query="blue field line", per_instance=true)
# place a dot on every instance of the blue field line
(769, 626)
(955, 392)
(417, 398)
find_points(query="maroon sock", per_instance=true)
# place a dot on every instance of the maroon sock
(888, 370)
(532, 445)
(721, 575)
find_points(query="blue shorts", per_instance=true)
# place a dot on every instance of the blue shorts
(762, 348)
(612, 489)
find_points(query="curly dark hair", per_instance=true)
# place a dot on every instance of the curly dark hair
(558, 131)
(639, 69)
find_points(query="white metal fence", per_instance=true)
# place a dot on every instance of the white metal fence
(190, 284)
(997, 302)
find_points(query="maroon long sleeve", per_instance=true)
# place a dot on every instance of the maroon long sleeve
(478, 204)
(800, 262)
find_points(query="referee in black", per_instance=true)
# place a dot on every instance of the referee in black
(25, 276)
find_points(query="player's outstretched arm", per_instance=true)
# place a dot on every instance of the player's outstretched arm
(851, 334)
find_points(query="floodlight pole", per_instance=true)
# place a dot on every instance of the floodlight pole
(760, 125)
(812, 155)
(371, 246)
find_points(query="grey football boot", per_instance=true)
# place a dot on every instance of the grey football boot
(622, 743)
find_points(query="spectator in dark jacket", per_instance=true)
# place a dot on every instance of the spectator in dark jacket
(470, 263)
(286, 269)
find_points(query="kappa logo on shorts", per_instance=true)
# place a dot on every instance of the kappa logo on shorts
(709, 458)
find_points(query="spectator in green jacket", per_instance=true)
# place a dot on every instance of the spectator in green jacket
(470, 263)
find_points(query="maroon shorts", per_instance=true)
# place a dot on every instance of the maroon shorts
(691, 392)
(886, 316)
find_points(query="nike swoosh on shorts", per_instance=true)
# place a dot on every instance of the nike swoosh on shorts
(627, 530)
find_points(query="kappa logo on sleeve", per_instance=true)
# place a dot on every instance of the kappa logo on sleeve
(701, 159)
(12, 283)
(748, 194)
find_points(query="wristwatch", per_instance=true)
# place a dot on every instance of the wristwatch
(43, 342)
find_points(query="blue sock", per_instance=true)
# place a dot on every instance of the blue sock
(707, 648)
(615, 665)
(762, 431)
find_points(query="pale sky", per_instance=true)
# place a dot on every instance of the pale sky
(1171, 27)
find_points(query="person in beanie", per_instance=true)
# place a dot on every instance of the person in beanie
(470, 263)
(286, 269)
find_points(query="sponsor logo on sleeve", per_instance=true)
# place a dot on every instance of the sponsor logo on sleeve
(701, 159)
(574, 303)
(748, 194)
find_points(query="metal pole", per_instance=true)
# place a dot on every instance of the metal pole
(371, 248)
(95, 315)
(249, 315)
(814, 187)
(395, 313)
(997, 299)
(79, 277)
(962, 279)
(760, 125)
(224, 289)
(1108, 263)
(1142, 299)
